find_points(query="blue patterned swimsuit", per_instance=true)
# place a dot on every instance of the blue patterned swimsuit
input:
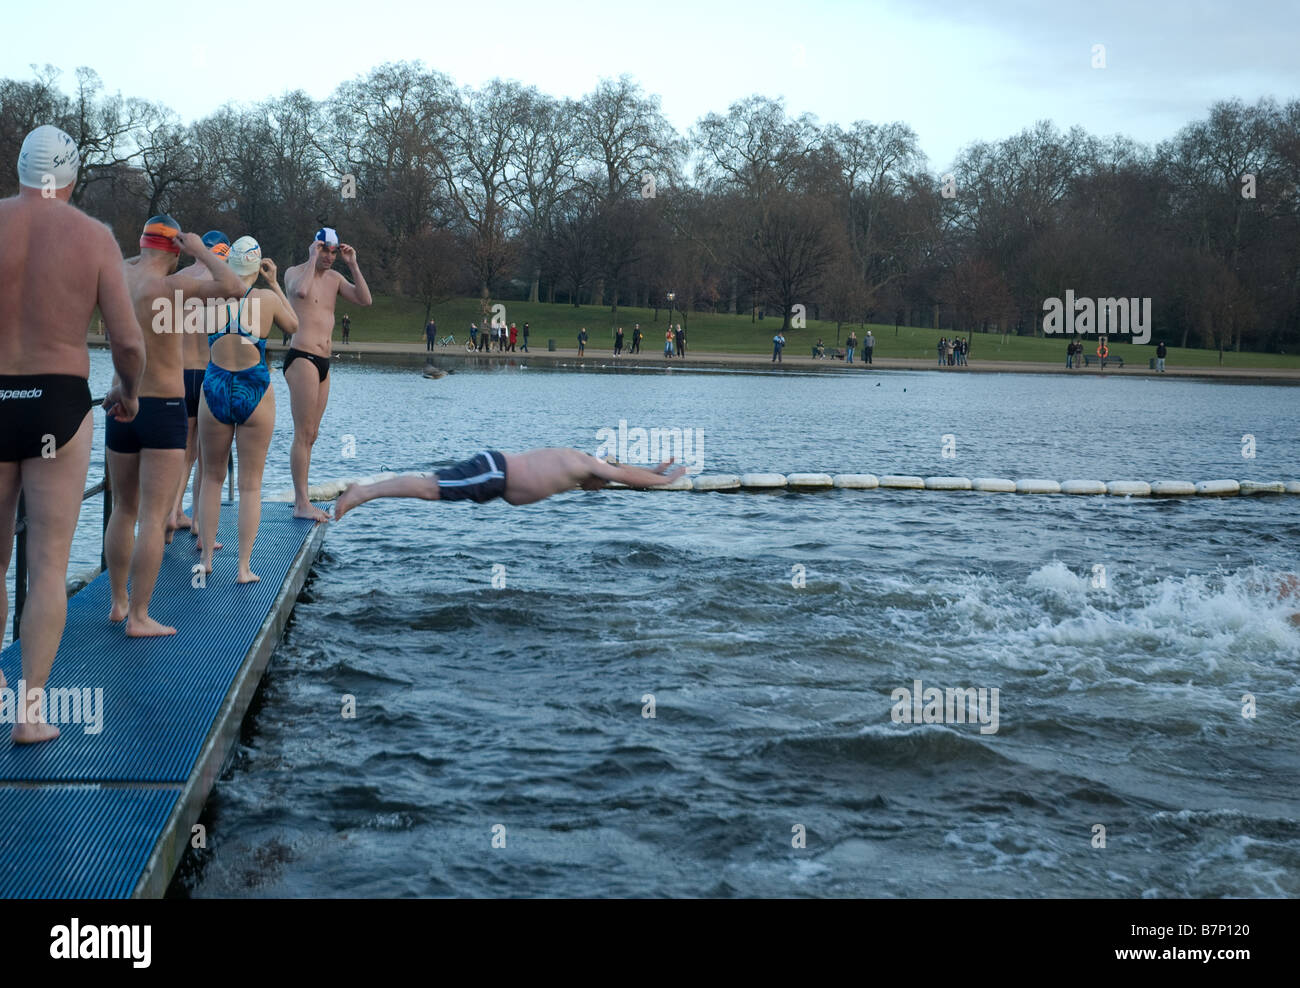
(233, 396)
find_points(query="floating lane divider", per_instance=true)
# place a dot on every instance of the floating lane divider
(728, 482)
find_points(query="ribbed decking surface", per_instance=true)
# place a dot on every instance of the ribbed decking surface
(81, 815)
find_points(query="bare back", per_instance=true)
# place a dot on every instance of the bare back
(313, 300)
(163, 330)
(54, 261)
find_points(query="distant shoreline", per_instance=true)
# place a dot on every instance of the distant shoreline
(455, 357)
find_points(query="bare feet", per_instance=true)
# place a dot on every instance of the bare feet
(311, 512)
(198, 547)
(348, 500)
(33, 733)
(247, 576)
(146, 627)
(117, 611)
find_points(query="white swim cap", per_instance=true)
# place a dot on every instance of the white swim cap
(48, 159)
(245, 256)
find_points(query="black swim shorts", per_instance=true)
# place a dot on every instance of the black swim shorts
(322, 363)
(161, 423)
(40, 413)
(480, 478)
(193, 390)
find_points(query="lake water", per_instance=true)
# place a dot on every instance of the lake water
(770, 633)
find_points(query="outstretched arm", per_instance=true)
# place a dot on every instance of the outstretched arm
(636, 476)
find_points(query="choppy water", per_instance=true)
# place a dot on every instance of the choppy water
(1119, 705)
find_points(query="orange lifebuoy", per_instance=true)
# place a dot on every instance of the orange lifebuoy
(1103, 351)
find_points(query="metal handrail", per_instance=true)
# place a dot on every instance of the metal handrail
(104, 487)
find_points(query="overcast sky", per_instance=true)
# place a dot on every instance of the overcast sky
(955, 70)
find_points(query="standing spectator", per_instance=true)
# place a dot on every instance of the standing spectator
(473, 336)
(618, 341)
(501, 338)
(943, 341)
(668, 342)
(1069, 355)
(948, 349)
(430, 334)
(347, 328)
(524, 342)
(582, 341)
(868, 345)
(679, 341)
(636, 338)
(1161, 351)
(850, 345)
(514, 336)
(819, 350)
(965, 352)
(778, 342)
(961, 353)
(484, 343)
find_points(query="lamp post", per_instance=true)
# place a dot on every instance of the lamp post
(671, 296)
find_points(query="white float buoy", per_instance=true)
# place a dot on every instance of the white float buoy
(1082, 487)
(1172, 488)
(682, 483)
(1128, 488)
(993, 485)
(856, 481)
(1262, 487)
(809, 480)
(1218, 488)
(947, 483)
(762, 481)
(1292, 487)
(896, 482)
(717, 482)
(1034, 485)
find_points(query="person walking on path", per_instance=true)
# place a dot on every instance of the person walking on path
(868, 345)
(524, 342)
(514, 336)
(778, 342)
(636, 338)
(430, 334)
(582, 341)
(618, 342)
(850, 345)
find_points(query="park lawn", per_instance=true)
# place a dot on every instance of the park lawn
(398, 320)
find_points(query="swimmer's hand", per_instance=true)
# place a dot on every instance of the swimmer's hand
(191, 244)
(348, 253)
(267, 269)
(120, 406)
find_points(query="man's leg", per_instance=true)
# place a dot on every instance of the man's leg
(178, 519)
(10, 488)
(119, 534)
(408, 486)
(307, 396)
(53, 487)
(159, 469)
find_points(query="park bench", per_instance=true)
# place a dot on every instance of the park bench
(1091, 358)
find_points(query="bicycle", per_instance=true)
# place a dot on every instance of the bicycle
(448, 340)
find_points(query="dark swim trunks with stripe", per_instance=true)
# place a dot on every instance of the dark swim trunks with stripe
(480, 478)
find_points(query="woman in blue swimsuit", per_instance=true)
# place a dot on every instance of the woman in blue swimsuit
(238, 402)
